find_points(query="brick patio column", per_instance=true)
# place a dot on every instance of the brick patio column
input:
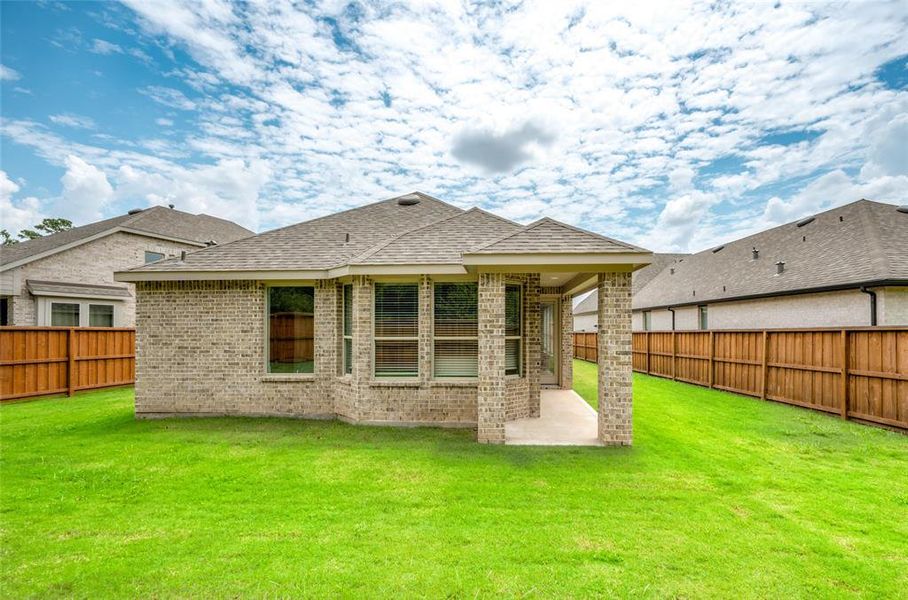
(426, 319)
(490, 401)
(567, 342)
(614, 345)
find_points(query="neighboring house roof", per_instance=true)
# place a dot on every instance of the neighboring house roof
(414, 229)
(156, 221)
(74, 290)
(641, 277)
(862, 243)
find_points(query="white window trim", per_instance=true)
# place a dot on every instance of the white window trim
(375, 339)
(518, 337)
(453, 338)
(45, 309)
(346, 337)
(266, 367)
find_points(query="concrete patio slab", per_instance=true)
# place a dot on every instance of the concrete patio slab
(566, 420)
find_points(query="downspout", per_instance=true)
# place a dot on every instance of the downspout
(672, 310)
(872, 295)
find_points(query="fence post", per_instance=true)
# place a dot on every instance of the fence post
(647, 352)
(763, 370)
(674, 367)
(71, 363)
(712, 353)
(844, 383)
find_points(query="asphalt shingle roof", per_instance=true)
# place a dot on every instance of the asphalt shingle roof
(858, 243)
(157, 220)
(550, 236)
(411, 229)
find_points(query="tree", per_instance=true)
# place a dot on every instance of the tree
(45, 227)
(6, 239)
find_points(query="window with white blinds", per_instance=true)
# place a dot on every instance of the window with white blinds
(513, 330)
(456, 330)
(396, 330)
(348, 329)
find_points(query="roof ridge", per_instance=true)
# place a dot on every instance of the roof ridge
(384, 244)
(543, 220)
(599, 235)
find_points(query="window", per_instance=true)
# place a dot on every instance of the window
(4, 308)
(64, 314)
(396, 330)
(348, 329)
(647, 320)
(290, 330)
(456, 330)
(152, 256)
(704, 317)
(100, 315)
(513, 330)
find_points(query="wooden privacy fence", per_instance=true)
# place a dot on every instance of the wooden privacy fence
(35, 361)
(858, 373)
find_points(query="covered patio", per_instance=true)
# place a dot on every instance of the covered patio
(565, 419)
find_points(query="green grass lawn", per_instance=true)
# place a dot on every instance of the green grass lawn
(720, 496)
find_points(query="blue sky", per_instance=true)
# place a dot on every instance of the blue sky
(672, 126)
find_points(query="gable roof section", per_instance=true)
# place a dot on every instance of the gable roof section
(548, 236)
(640, 278)
(441, 242)
(322, 243)
(860, 243)
(156, 221)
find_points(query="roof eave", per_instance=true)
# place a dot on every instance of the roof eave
(794, 292)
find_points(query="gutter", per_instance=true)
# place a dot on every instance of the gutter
(872, 295)
(816, 290)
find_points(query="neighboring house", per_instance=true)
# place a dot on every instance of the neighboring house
(585, 312)
(405, 311)
(66, 279)
(845, 267)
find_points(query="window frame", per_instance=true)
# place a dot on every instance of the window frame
(520, 329)
(703, 317)
(160, 255)
(443, 338)
(45, 306)
(346, 289)
(267, 331)
(415, 338)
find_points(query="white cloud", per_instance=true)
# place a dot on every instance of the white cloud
(105, 47)
(8, 74)
(168, 97)
(86, 191)
(641, 101)
(71, 120)
(17, 214)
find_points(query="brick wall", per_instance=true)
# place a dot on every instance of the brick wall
(201, 351)
(90, 263)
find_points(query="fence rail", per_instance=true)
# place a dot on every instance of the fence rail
(856, 373)
(35, 361)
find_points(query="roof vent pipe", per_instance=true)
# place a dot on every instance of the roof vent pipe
(347, 238)
(182, 255)
(671, 270)
(780, 267)
(755, 254)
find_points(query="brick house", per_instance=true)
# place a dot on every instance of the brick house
(66, 279)
(405, 311)
(845, 267)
